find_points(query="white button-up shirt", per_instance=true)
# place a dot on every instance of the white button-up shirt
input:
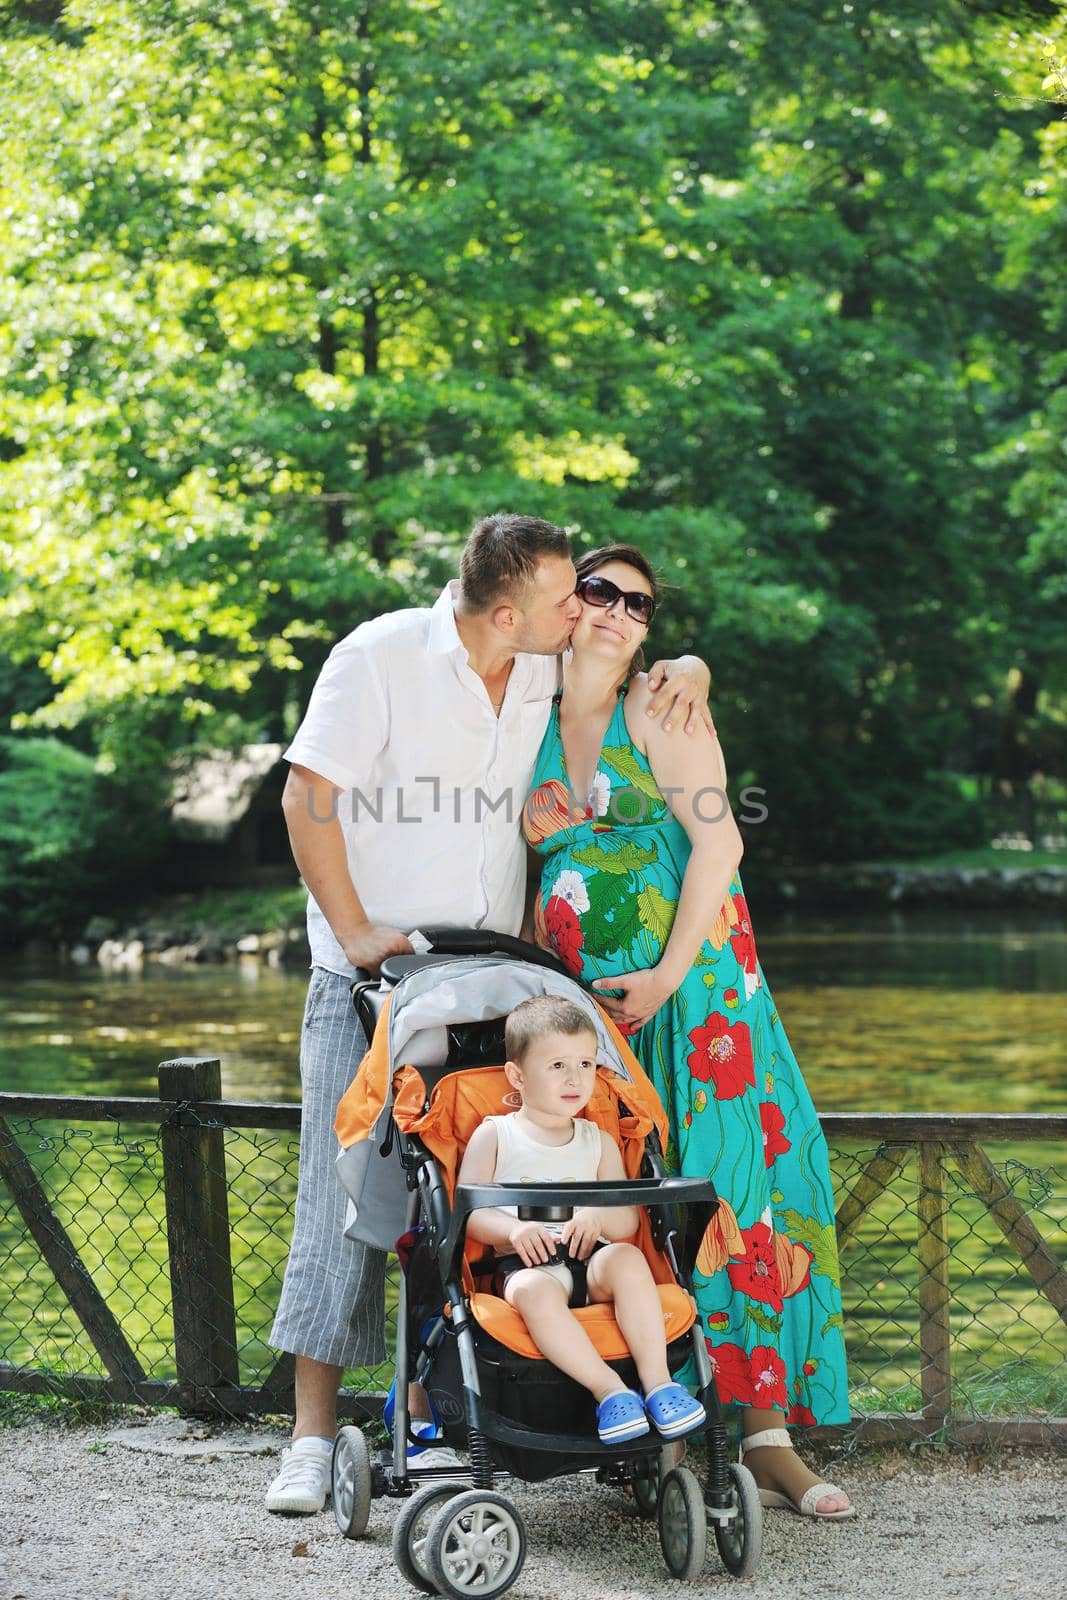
(432, 781)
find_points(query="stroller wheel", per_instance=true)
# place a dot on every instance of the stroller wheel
(740, 1540)
(411, 1528)
(351, 1482)
(476, 1546)
(683, 1524)
(646, 1489)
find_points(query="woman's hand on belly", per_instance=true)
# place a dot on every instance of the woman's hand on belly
(644, 992)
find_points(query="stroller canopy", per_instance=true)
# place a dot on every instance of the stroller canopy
(412, 1037)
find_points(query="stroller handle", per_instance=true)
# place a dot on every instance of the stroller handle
(485, 942)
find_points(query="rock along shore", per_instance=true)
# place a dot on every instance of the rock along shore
(887, 884)
(115, 947)
(864, 885)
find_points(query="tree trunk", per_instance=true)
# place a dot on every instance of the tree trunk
(334, 509)
(381, 538)
(857, 297)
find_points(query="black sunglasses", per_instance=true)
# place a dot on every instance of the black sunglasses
(603, 593)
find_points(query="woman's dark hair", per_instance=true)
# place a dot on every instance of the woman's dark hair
(591, 561)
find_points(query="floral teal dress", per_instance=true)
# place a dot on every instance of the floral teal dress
(767, 1282)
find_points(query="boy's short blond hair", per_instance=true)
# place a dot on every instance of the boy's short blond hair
(545, 1013)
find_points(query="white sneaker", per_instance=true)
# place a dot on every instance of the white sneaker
(302, 1484)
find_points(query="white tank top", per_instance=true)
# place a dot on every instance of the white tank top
(522, 1159)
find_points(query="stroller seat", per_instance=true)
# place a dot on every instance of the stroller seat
(457, 1105)
(504, 1324)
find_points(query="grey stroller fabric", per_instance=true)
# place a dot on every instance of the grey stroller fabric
(423, 1008)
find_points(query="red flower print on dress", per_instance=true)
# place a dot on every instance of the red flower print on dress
(774, 1142)
(757, 1379)
(564, 932)
(723, 1055)
(756, 1274)
(733, 1376)
(768, 1377)
(801, 1415)
(743, 943)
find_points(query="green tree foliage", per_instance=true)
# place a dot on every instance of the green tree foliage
(72, 839)
(291, 293)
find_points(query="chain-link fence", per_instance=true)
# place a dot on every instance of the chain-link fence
(144, 1260)
(953, 1288)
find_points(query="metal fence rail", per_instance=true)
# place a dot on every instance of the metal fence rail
(142, 1246)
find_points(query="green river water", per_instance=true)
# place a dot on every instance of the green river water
(900, 1012)
(906, 1013)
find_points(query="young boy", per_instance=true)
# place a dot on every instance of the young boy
(551, 1052)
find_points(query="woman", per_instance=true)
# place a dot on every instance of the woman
(640, 897)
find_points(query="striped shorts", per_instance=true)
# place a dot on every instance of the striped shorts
(332, 1305)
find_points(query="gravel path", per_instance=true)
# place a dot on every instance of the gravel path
(170, 1510)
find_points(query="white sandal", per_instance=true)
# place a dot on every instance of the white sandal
(773, 1499)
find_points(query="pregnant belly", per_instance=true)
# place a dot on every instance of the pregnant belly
(600, 922)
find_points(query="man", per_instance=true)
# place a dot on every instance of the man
(409, 772)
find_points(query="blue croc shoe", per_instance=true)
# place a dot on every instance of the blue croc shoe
(673, 1411)
(620, 1417)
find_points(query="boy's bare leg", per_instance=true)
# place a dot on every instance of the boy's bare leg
(619, 1273)
(541, 1301)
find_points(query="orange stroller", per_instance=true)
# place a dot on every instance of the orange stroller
(433, 1071)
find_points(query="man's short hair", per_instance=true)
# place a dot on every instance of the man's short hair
(545, 1013)
(501, 556)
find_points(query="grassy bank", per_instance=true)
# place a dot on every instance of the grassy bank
(226, 914)
(1030, 860)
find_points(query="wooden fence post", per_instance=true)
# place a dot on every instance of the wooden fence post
(198, 1237)
(935, 1344)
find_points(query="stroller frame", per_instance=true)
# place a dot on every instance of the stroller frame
(728, 1498)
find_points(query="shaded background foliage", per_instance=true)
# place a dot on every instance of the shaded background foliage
(290, 294)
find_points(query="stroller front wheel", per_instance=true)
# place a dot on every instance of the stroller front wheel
(351, 1482)
(411, 1531)
(740, 1540)
(476, 1546)
(683, 1524)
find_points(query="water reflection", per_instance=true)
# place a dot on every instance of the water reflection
(82, 1031)
(903, 1012)
(933, 950)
